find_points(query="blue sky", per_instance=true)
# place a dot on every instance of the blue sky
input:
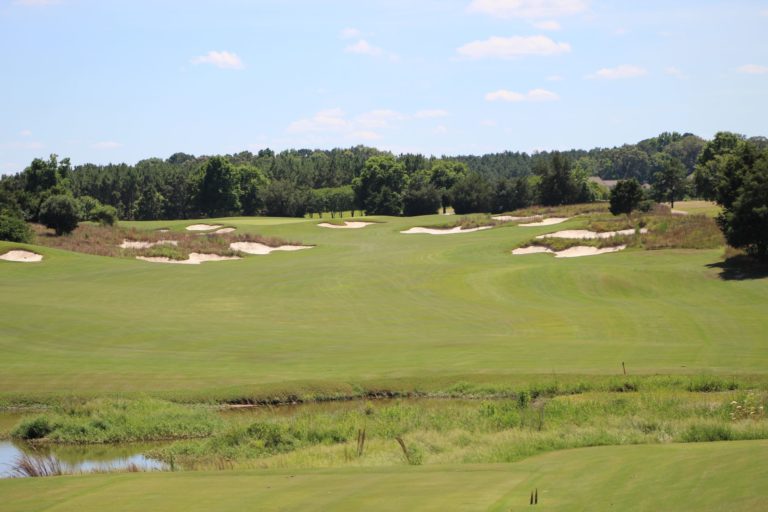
(112, 81)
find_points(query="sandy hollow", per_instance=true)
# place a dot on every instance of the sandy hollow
(133, 244)
(195, 258)
(434, 231)
(351, 224)
(20, 256)
(546, 222)
(223, 231)
(261, 249)
(572, 252)
(203, 227)
(584, 234)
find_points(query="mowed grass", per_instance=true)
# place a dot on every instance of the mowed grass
(369, 305)
(707, 208)
(695, 477)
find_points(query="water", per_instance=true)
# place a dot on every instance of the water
(81, 458)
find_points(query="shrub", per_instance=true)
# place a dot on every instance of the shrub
(60, 213)
(105, 215)
(704, 433)
(33, 428)
(14, 229)
(625, 196)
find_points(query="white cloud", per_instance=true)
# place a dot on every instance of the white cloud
(30, 145)
(350, 33)
(753, 69)
(620, 31)
(363, 47)
(379, 118)
(536, 95)
(441, 129)
(619, 72)
(528, 8)
(674, 71)
(364, 135)
(512, 47)
(764, 12)
(223, 60)
(555, 78)
(25, 133)
(325, 120)
(430, 114)
(107, 144)
(547, 25)
(489, 123)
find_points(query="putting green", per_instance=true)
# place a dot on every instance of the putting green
(695, 477)
(366, 305)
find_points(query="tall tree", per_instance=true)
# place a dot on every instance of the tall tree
(669, 180)
(379, 188)
(557, 185)
(444, 175)
(219, 189)
(625, 196)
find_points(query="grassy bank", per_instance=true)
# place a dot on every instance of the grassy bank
(695, 477)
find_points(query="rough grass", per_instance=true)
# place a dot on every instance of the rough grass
(438, 432)
(116, 421)
(105, 241)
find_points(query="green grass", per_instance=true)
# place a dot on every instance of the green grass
(695, 477)
(703, 207)
(367, 308)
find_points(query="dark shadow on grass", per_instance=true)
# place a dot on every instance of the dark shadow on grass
(740, 268)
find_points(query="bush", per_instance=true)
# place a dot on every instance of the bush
(704, 433)
(625, 196)
(60, 213)
(34, 428)
(105, 215)
(14, 229)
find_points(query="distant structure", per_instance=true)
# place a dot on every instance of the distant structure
(609, 184)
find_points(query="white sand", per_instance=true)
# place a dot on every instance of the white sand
(20, 256)
(347, 225)
(533, 249)
(203, 227)
(577, 252)
(451, 231)
(510, 218)
(163, 230)
(195, 258)
(584, 234)
(573, 252)
(679, 212)
(546, 222)
(133, 244)
(223, 231)
(261, 249)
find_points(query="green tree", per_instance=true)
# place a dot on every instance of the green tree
(60, 213)
(14, 229)
(379, 188)
(706, 169)
(472, 194)
(252, 184)
(626, 196)
(512, 194)
(742, 191)
(105, 215)
(557, 185)
(669, 180)
(444, 175)
(283, 198)
(421, 197)
(219, 188)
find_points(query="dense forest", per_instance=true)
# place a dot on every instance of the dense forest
(300, 182)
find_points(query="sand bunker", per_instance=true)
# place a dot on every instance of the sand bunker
(584, 234)
(223, 231)
(679, 212)
(20, 256)
(510, 218)
(195, 258)
(347, 225)
(451, 231)
(203, 227)
(164, 230)
(261, 249)
(572, 252)
(133, 244)
(546, 222)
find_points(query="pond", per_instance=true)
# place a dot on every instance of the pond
(80, 458)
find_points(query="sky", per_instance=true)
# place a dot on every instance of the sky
(122, 80)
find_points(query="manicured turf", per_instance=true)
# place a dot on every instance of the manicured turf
(369, 304)
(695, 477)
(707, 208)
